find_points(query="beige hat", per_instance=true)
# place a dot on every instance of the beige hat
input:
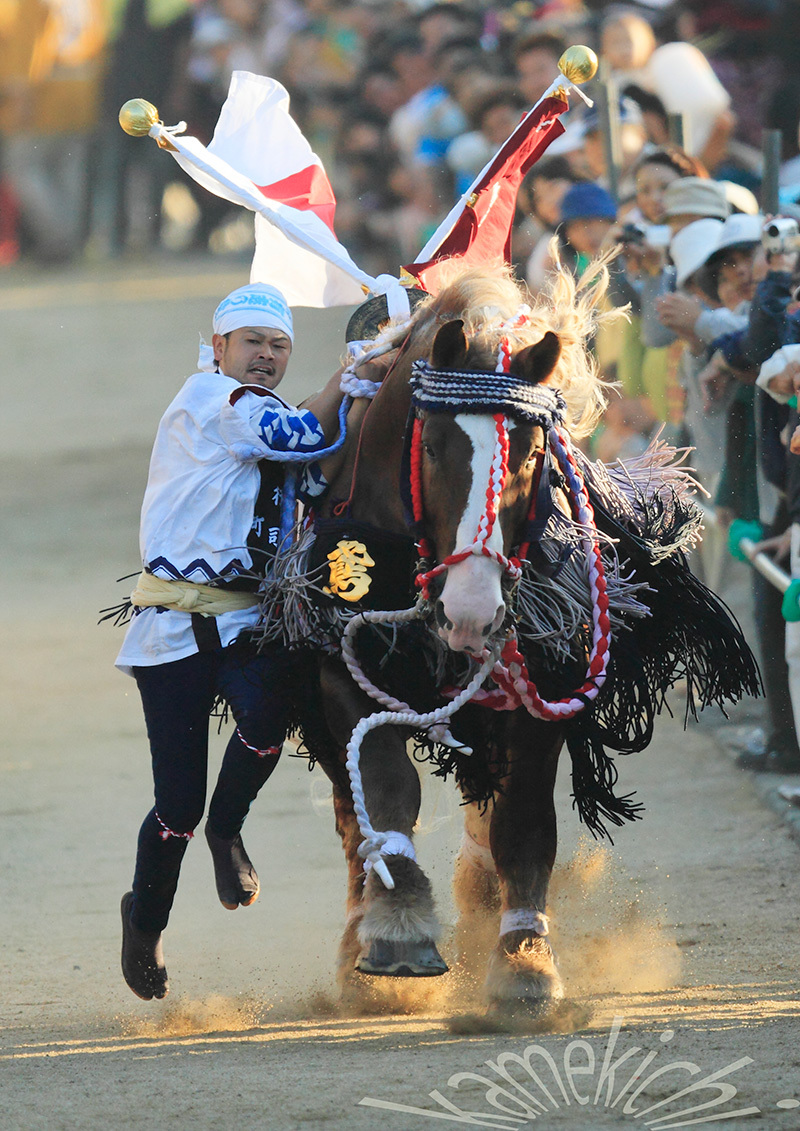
(741, 199)
(696, 196)
(693, 245)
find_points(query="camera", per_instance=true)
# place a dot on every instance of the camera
(653, 235)
(631, 233)
(780, 236)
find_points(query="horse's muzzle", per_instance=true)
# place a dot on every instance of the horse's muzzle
(466, 635)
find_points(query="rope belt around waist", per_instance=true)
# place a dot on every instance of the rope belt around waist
(189, 596)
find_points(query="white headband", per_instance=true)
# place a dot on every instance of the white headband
(258, 305)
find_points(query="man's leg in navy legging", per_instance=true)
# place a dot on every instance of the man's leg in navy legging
(176, 698)
(257, 690)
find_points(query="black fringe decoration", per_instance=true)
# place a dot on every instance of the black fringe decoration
(594, 777)
(120, 614)
(690, 635)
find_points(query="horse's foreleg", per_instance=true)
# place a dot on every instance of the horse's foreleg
(347, 828)
(475, 890)
(396, 929)
(522, 970)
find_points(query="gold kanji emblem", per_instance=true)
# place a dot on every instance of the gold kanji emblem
(349, 578)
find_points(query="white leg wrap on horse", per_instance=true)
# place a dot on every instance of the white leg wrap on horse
(476, 854)
(523, 919)
(395, 844)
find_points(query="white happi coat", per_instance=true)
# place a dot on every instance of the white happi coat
(200, 501)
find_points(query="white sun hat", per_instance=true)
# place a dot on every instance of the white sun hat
(740, 228)
(692, 246)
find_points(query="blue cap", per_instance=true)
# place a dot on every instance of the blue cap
(588, 201)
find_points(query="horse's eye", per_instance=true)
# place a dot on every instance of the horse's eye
(428, 450)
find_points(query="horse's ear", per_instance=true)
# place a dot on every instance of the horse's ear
(537, 362)
(449, 345)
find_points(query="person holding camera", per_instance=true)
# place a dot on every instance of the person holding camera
(779, 379)
(647, 373)
(771, 323)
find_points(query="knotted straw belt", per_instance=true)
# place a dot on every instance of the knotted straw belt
(189, 596)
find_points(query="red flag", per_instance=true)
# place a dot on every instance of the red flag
(259, 158)
(478, 230)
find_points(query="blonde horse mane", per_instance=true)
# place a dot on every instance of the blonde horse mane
(573, 309)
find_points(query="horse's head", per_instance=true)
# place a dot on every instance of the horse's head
(478, 451)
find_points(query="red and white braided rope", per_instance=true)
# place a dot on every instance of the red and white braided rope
(272, 751)
(504, 351)
(486, 523)
(167, 832)
(510, 672)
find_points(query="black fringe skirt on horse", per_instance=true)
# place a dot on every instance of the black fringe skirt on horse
(476, 587)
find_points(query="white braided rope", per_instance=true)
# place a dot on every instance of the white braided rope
(355, 386)
(395, 844)
(371, 848)
(438, 732)
(361, 352)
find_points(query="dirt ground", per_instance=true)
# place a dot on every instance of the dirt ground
(685, 929)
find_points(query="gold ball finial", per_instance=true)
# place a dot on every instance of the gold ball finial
(578, 64)
(137, 116)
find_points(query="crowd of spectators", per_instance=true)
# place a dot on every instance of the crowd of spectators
(405, 101)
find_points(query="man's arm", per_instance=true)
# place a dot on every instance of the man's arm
(325, 406)
(715, 149)
(655, 334)
(766, 331)
(374, 370)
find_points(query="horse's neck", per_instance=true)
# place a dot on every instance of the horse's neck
(370, 474)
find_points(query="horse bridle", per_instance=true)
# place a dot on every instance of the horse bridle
(502, 395)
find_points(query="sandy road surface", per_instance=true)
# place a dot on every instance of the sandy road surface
(688, 926)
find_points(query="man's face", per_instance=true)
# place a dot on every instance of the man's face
(736, 275)
(587, 235)
(253, 355)
(546, 196)
(536, 69)
(651, 183)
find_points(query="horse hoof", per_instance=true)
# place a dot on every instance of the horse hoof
(142, 957)
(519, 1009)
(522, 977)
(406, 959)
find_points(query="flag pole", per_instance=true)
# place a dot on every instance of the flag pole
(139, 118)
(576, 66)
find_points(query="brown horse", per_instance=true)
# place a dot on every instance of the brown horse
(472, 439)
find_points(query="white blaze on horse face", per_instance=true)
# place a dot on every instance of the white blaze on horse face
(472, 597)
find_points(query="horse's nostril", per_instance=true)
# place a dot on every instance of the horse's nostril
(497, 620)
(441, 619)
